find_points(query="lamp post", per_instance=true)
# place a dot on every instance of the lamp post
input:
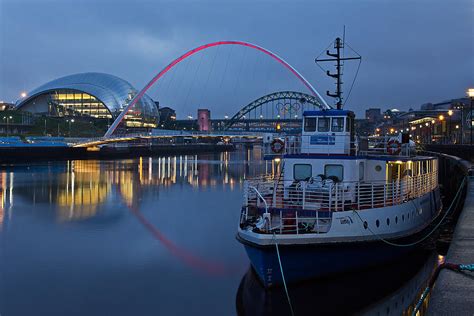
(7, 118)
(441, 119)
(470, 93)
(449, 129)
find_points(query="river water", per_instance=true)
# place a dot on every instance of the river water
(155, 236)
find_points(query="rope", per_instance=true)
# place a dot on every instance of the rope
(430, 233)
(450, 266)
(282, 275)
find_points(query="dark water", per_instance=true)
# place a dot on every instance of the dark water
(152, 236)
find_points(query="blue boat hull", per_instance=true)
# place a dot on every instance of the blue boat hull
(301, 262)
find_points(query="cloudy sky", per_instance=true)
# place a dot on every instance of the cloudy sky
(414, 51)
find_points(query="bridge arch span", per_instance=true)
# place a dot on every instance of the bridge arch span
(206, 46)
(302, 99)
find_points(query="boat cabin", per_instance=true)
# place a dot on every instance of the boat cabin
(328, 132)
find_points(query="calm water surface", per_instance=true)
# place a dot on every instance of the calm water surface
(147, 236)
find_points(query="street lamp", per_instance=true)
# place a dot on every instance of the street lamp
(470, 94)
(450, 113)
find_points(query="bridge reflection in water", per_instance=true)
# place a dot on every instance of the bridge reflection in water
(81, 186)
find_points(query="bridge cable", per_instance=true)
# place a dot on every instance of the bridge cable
(455, 199)
(192, 82)
(237, 79)
(181, 82)
(225, 68)
(203, 91)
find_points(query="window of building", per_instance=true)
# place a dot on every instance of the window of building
(310, 124)
(334, 171)
(323, 124)
(302, 172)
(337, 124)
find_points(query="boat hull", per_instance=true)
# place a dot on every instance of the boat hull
(301, 262)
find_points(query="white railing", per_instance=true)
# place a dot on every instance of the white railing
(330, 144)
(299, 206)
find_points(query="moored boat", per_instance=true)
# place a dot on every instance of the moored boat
(338, 202)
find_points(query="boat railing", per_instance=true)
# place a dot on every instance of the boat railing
(296, 206)
(388, 145)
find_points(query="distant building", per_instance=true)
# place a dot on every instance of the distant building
(4, 106)
(373, 115)
(204, 120)
(90, 95)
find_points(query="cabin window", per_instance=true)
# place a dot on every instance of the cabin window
(348, 124)
(323, 124)
(337, 124)
(334, 171)
(302, 172)
(310, 124)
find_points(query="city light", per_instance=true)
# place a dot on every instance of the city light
(470, 92)
(427, 124)
(23, 94)
(433, 121)
(226, 117)
(450, 112)
(441, 117)
(457, 126)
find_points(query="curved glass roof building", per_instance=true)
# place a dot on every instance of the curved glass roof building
(96, 95)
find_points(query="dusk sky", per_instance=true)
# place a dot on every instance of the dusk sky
(413, 51)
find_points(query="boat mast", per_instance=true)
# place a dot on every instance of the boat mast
(338, 46)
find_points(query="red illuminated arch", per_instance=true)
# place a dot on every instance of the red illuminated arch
(202, 47)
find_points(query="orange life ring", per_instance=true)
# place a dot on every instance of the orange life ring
(277, 146)
(394, 147)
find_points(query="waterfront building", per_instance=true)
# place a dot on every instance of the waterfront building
(90, 95)
(373, 115)
(204, 120)
(167, 117)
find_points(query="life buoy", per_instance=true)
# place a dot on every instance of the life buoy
(394, 147)
(277, 146)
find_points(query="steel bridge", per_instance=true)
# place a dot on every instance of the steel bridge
(278, 111)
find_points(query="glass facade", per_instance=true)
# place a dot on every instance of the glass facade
(76, 103)
(96, 95)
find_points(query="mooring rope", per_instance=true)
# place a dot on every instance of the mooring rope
(450, 266)
(455, 199)
(282, 275)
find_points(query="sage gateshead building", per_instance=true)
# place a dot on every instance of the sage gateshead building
(90, 95)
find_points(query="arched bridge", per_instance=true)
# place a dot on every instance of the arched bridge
(265, 51)
(284, 107)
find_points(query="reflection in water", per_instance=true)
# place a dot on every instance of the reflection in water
(98, 232)
(82, 186)
(391, 289)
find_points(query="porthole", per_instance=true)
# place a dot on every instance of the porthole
(366, 225)
(408, 215)
(388, 221)
(403, 217)
(377, 223)
(396, 219)
(378, 168)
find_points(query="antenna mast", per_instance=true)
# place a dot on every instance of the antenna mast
(338, 46)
